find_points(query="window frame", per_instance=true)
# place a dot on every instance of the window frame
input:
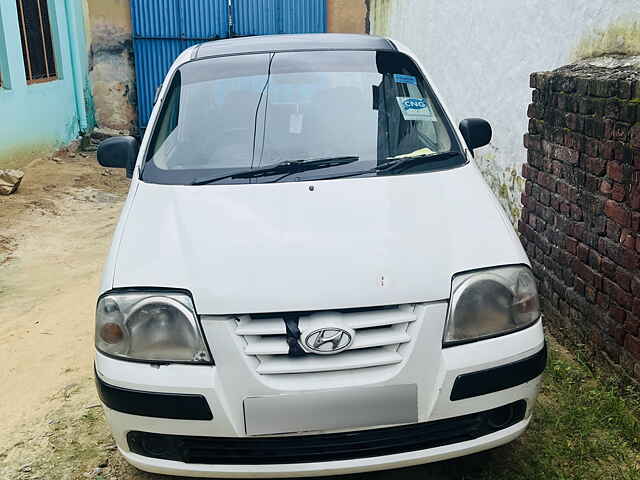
(5, 78)
(174, 88)
(26, 54)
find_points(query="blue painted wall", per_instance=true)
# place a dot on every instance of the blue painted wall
(39, 118)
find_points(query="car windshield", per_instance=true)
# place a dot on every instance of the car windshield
(228, 114)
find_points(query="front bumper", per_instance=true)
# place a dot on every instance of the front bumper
(327, 447)
(524, 349)
(313, 469)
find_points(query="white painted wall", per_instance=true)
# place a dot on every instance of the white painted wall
(480, 55)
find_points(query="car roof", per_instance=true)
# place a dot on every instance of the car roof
(287, 43)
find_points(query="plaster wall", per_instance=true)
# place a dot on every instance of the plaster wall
(41, 117)
(111, 66)
(480, 56)
(346, 16)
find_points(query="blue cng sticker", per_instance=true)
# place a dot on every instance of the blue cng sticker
(398, 78)
(415, 109)
(414, 104)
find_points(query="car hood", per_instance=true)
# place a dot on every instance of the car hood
(313, 245)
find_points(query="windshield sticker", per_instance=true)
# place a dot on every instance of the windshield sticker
(295, 123)
(398, 78)
(415, 109)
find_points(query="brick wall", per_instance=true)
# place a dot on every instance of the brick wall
(581, 218)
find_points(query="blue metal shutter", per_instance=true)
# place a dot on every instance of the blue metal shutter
(164, 28)
(304, 16)
(161, 30)
(265, 17)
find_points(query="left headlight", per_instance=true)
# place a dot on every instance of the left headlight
(150, 326)
(491, 302)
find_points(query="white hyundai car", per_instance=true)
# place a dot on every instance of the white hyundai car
(309, 275)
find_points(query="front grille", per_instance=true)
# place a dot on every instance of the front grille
(379, 332)
(325, 447)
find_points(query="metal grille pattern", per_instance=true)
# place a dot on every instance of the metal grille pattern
(379, 332)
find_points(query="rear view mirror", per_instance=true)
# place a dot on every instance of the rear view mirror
(375, 94)
(119, 152)
(476, 132)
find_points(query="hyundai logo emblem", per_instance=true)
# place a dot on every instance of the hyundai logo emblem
(326, 341)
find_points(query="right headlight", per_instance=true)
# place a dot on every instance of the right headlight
(491, 302)
(150, 327)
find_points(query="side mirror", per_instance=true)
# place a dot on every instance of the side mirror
(119, 152)
(476, 132)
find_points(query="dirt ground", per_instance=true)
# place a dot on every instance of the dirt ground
(54, 235)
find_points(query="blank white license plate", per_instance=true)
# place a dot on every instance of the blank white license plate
(331, 409)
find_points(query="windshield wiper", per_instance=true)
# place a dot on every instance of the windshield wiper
(392, 164)
(409, 161)
(287, 167)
